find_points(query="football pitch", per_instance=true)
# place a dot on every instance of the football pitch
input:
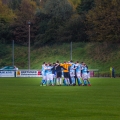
(25, 99)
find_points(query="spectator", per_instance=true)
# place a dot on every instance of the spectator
(15, 68)
(113, 72)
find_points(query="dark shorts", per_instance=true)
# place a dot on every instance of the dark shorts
(59, 74)
(66, 74)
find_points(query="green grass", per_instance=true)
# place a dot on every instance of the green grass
(25, 99)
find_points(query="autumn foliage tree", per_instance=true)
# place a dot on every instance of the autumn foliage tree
(6, 18)
(25, 13)
(103, 21)
(56, 13)
(84, 6)
(58, 21)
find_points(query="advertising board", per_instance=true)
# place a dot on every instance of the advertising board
(28, 73)
(5, 73)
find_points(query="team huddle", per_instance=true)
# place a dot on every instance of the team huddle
(67, 73)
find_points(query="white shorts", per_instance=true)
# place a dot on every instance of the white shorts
(72, 74)
(78, 74)
(50, 76)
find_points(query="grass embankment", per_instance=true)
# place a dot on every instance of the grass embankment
(96, 55)
(24, 99)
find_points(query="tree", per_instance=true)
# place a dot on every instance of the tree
(6, 18)
(58, 9)
(85, 6)
(41, 22)
(56, 12)
(25, 13)
(104, 21)
(74, 30)
(74, 3)
(77, 25)
(14, 4)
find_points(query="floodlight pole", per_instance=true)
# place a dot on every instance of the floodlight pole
(13, 52)
(29, 23)
(71, 51)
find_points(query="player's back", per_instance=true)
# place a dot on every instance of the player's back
(66, 66)
(85, 69)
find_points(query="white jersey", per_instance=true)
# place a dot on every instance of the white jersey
(43, 70)
(85, 70)
(78, 68)
(85, 73)
(49, 73)
(49, 69)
